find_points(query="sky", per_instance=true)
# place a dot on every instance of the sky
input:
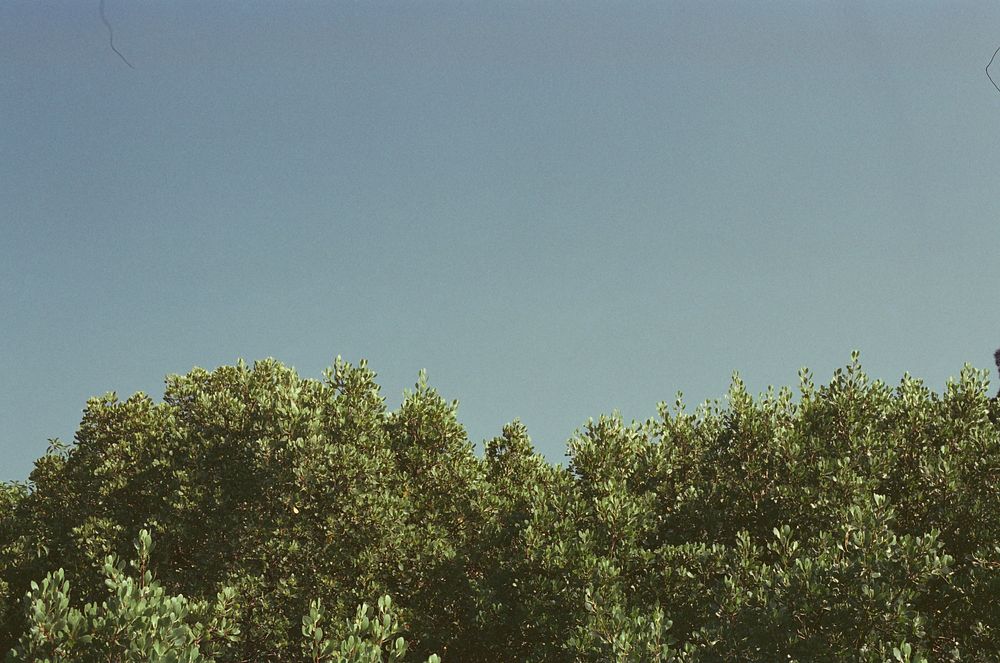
(557, 209)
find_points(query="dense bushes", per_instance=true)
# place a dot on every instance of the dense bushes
(853, 522)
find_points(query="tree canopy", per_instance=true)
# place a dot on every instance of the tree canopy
(254, 515)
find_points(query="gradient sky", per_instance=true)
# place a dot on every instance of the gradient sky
(557, 209)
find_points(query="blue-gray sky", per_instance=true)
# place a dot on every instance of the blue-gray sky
(557, 209)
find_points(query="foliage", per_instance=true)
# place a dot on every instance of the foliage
(138, 623)
(370, 639)
(854, 522)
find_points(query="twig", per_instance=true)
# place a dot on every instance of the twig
(990, 77)
(111, 36)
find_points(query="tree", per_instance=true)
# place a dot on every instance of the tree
(850, 521)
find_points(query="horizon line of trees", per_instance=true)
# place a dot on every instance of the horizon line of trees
(254, 515)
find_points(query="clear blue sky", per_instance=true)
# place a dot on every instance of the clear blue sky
(557, 209)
